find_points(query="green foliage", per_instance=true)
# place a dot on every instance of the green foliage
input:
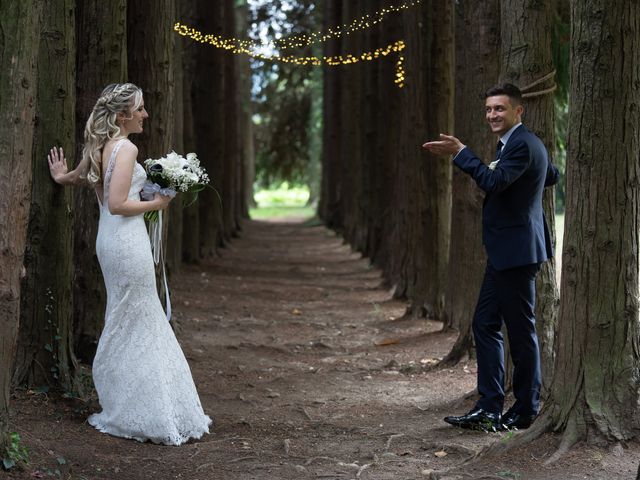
(281, 212)
(284, 201)
(283, 195)
(560, 45)
(15, 452)
(287, 98)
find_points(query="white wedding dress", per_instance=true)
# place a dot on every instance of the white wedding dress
(143, 381)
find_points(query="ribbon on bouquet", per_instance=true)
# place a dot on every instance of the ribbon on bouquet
(149, 190)
(155, 235)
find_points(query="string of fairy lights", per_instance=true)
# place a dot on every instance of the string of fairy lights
(254, 49)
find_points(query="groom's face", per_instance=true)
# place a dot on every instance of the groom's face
(502, 114)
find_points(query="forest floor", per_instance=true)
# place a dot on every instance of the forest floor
(309, 371)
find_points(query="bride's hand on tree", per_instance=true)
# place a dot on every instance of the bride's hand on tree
(58, 165)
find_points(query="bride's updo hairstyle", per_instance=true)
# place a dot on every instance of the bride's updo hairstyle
(101, 125)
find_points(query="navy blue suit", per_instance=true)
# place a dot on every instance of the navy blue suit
(516, 238)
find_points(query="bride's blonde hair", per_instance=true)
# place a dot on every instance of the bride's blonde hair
(101, 125)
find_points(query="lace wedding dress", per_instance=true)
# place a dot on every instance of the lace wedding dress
(143, 381)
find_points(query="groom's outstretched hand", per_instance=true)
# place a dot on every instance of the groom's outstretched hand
(447, 145)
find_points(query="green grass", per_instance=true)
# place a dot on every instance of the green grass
(284, 201)
(262, 213)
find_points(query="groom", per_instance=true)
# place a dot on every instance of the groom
(516, 238)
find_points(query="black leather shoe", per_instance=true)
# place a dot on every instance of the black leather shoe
(476, 419)
(512, 420)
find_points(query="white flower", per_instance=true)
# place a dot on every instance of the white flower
(179, 173)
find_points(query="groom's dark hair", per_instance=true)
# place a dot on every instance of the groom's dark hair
(508, 89)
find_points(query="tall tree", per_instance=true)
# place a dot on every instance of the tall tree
(209, 125)
(45, 349)
(20, 23)
(175, 212)
(351, 149)
(526, 31)
(388, 129)
(595, 388)
(422, 187)
(432, 246)
(101, 59)
(329, 207)
(245, 128)
(594, 393)
(478, 66)
(150, 59)
(231, 107)
(187, 61)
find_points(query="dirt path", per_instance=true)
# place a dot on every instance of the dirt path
(302, 360)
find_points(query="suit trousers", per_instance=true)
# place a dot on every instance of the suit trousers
(508, 296)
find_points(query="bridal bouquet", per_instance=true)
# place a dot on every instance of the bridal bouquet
(171, 174)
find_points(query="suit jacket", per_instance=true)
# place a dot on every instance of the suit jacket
(514, 229)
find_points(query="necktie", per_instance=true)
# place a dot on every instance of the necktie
(494, 164)
(498, 149)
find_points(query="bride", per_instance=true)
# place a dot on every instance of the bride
(143, 381)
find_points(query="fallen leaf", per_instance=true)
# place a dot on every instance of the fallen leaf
(295, 311)
(441, 454)
(429, 361)
(387, 341)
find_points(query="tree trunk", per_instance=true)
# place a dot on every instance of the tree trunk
(594, 394)
(477, 64)
(45, 348)
(190, 215)
(350, 141)
(209, 120)
(175, 212)
(246, 122)
(437, 67)
(231, 157)
(20, 26)
(330, 202)
(527, 57)
(388, 128)
(101, 59)
(150, 59)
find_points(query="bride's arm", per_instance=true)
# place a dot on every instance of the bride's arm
(120, 183)
(60, 172)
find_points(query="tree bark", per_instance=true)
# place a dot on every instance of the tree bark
(477, 65)
(190, 215)
(175, 212)
(101, 59)
(527, 57)
(594, 394)
(45, 348)
(330, 201)
(231, 158)
(150, 59)
(151, 67)
(434, 221)
(388, 128)
(20, 24)
(209, 120)
(248, 172)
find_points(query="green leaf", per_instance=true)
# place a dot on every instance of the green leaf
(61, 461)
(8, 464)
(48, 348)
